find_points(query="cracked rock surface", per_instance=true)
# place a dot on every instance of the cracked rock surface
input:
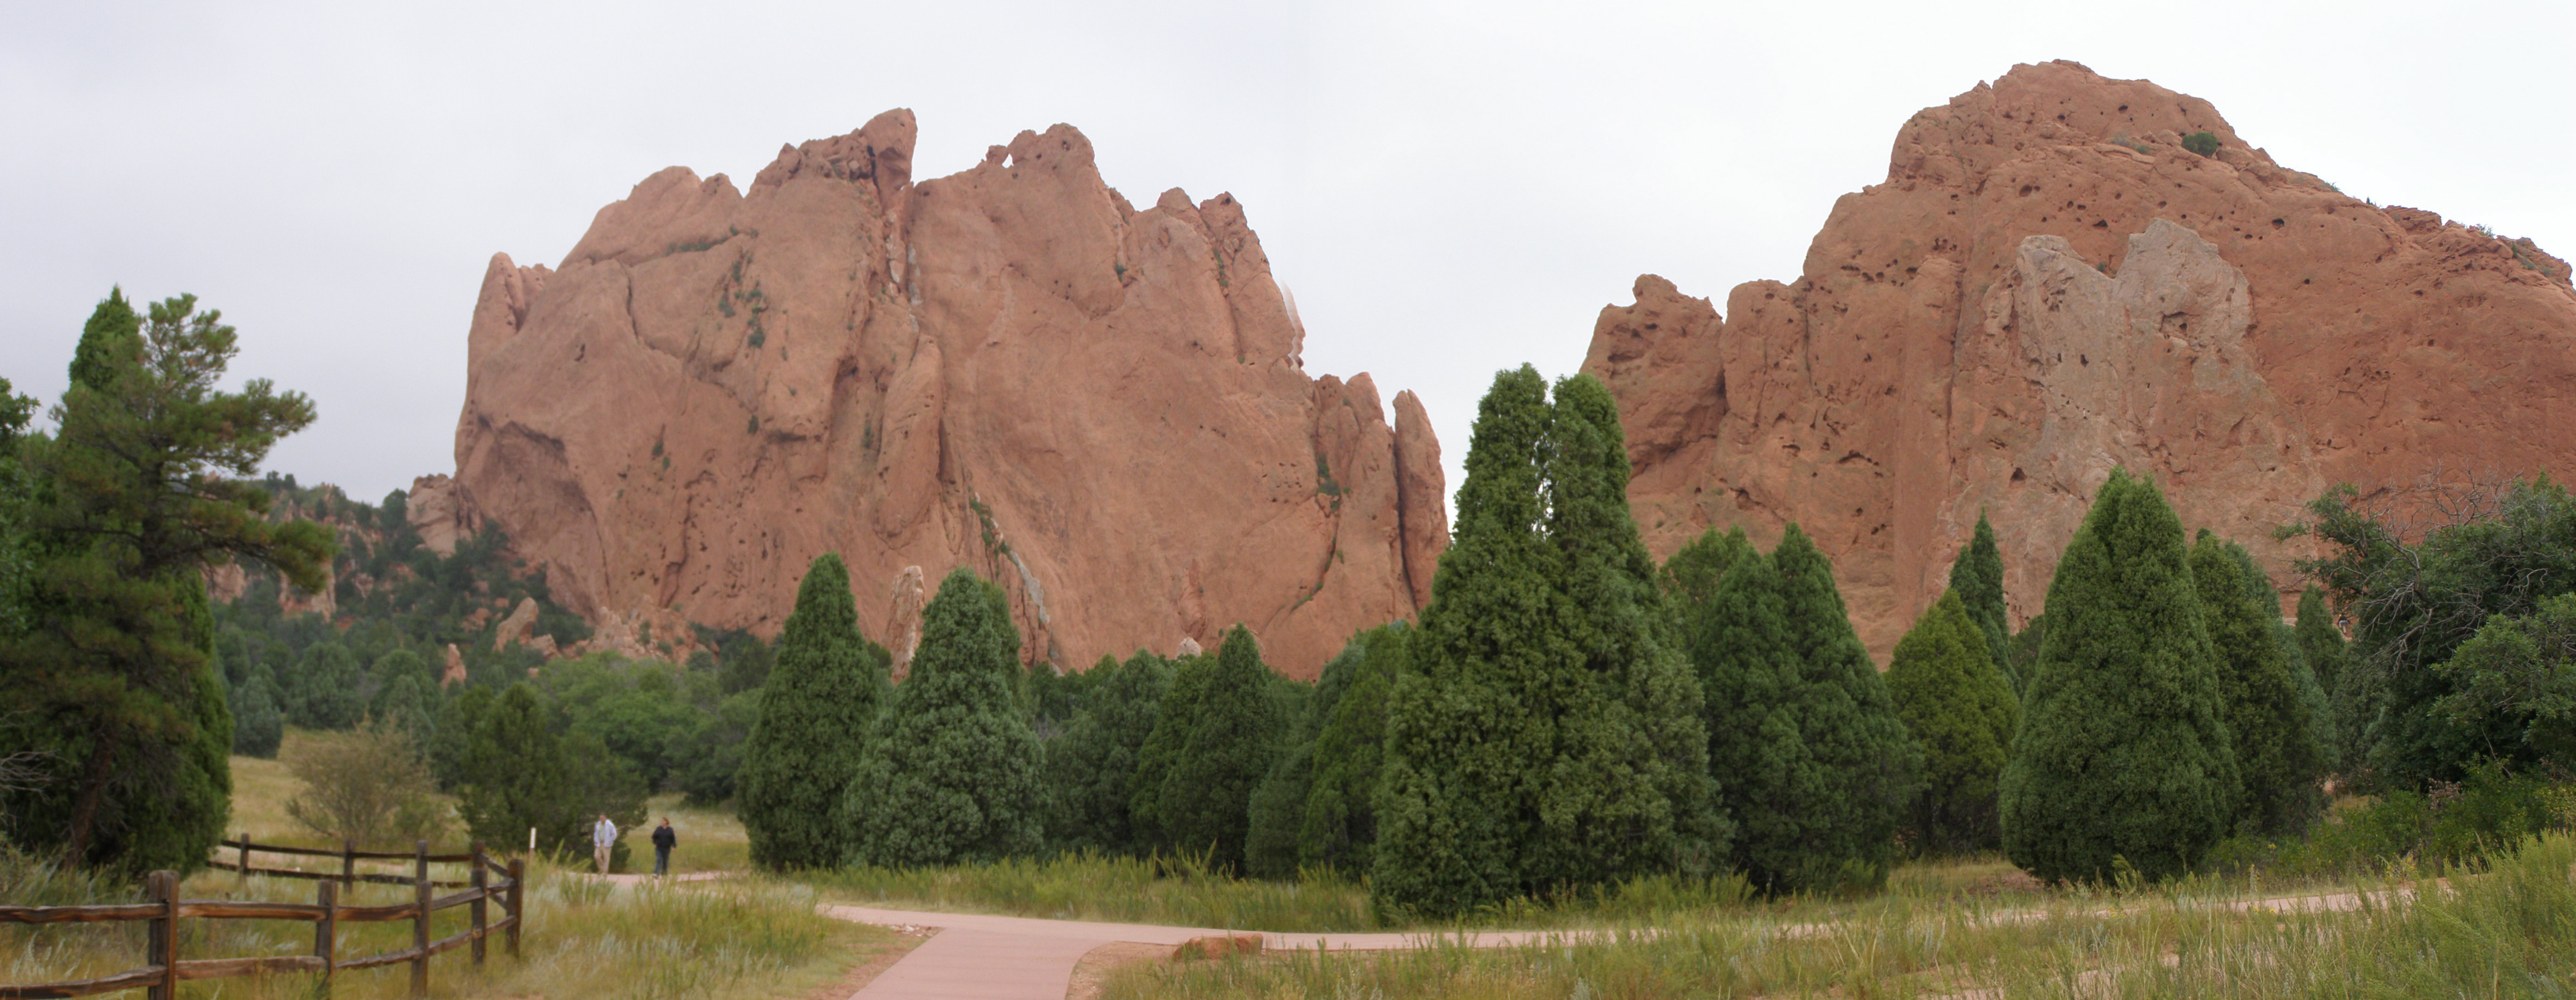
(1101, 408)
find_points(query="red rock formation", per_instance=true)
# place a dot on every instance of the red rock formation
(1011, 368)
(2049, 285)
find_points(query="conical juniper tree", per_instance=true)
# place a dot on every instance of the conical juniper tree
(1953, 698)
(1279, 803)
(1462, 737)
(953, 775)
(1091, 769)
(1812, 760)
(1541, 736)
(2279, 759)
(1339, 824)
(1226, 739)
(1627, 789)
(1867, 762)
(817, 714)
(2123, 752)
(1978, 578)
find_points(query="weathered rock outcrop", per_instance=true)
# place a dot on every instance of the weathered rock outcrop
(1102, 408)
(2049, 285)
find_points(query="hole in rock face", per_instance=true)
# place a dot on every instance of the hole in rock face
(2016, 477)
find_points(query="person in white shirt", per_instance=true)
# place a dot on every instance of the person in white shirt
(602, 837)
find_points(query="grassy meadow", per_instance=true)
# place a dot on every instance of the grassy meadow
(2509, 931)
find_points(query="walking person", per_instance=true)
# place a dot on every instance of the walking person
(664, 838)
(602, 837)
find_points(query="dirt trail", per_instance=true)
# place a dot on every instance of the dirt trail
(990, 957)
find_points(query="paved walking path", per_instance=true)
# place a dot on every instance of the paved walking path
(1024, 958)
(974, 956)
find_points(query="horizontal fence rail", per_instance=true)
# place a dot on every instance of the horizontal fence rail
(164, 969)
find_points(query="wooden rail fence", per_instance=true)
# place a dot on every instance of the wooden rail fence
(164, 969)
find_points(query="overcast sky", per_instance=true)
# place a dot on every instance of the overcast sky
(1447, 188)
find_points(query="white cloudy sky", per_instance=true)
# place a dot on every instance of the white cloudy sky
(1448, 188)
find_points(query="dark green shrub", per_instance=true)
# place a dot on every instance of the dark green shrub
(2201, 144)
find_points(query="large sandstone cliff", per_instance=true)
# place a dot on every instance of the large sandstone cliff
(2048, 285)
(1012, 369)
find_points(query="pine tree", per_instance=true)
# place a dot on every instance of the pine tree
(1228, 736)
(1091, 769)
(2278, 757)
(139, 492)
(2123, 753)
(953, 777)
(1978, 578)
(1338, 825)
(1953, 698)
(1545, 738)
(817, 714)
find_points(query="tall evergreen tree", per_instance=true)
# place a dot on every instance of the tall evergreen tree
(1819, 768)
(1278, 813)
(2123, 751)
(1091, 769)
(1338, 826)
(1978, 578)
(954, 777)
(2279, 759)
(1462, 736)
(1953, 698)
(140, 493)
(2321, 644)
(257, 726)
(1227, 736)
(1628, 789)
(322, 689)
(1691, 576)
(520, 772)
(818, 712)
(1544, 737)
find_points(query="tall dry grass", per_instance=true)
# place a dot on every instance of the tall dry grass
(2507, 932)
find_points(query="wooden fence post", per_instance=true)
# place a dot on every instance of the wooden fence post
(517, 902)
(348, 865)
(245, 857)
(482, 887)
(420, 919)
(326, 931)
(162, 947)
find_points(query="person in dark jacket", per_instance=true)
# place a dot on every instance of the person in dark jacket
(663, 840)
